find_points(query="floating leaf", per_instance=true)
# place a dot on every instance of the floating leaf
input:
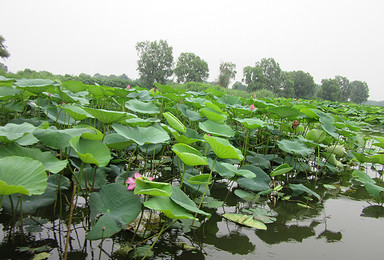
(112, 209)
(245, 220)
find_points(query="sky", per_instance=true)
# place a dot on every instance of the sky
(324, 38)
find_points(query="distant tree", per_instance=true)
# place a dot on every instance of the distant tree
(288, 84)
(3, 68)
(359, 91)
(272, 74)
(155, 61)
(330, 90)
(303, 84)
(227, 72)
(239, 86)
(266, 74)
(3, 49)
(254, 78)
(191, 68)
(345, 88)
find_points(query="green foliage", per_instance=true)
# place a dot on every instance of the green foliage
(191, 68)
(303, 84)
(330, 90)
(359, 91)
(3, 49)
(227, 72)
(155, 62)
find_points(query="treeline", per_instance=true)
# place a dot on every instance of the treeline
(156, 64)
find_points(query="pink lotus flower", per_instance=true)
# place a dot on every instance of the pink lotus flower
(208, 135)
(132, 181)
(49, 95)
(32, 103)
(129, 87)
(252, 107)
(181, 101)
(254, 96)
(63, 103)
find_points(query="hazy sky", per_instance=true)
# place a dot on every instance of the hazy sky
(325, 38)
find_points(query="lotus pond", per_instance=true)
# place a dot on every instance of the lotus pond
(94, 172)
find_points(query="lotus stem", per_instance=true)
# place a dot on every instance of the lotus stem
(70, 221)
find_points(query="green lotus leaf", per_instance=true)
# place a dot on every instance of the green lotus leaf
(226, 170)
(8, 93)
(326, 121)
(189, 138)
(217, 129)
(142, 135)
(142, 107)
(152, 188)
(246, 220)
(36, 86)
(337, 150)
(281, 169)
(12, 132)
(116, 141)
(295, 147)
(377, 158)
(247, 196)
(188, 113)
(251, 123)
(259, 183)
(50, 162)
(201, 179)
(223, 149)
(112, 209)
(362, 176)
(89, 177)
(300, 189)
(75, 112)
(91, 151)
(168, 207)
(245, 173)
(74, 86)
(213, 115)
(57, 115)
(6, 80)
(58, 139)
(182, 199)
(284, 112)
(189, 155)
(136, 121)
(377, 192)
(214, 107)
(316, 135)
(22, 175)
(174, 122)
(107, 116)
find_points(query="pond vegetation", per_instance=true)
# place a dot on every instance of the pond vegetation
(101, 172)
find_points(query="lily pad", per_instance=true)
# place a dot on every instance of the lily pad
(246, 220)
(217, 129)
(142, 107)
(142, 135)
(112, 209)
(223, 149)
(91, 151)
(168, 207)
(295, 147)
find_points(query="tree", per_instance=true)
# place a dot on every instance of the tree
(3, 49)
(359, 91)
(227, 72)
(155, 61)
(239, 86)
(330, 90)
(345, 88)
(266, 74)
(191, 68)
(303, 84)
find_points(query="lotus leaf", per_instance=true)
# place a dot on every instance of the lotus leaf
(189, 155)
(91, 151)
(223, 149)
(216, 129)
(295, 147)
(142, 135)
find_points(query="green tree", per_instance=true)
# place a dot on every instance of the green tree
(155, 62)
(3, 49)
(359, 91)
(266, 74)
(239, 86)
(227, 72)
(330, 90)
(345, 88)
(254, 78)
(303, 84)
(288, 85)
(191, 68)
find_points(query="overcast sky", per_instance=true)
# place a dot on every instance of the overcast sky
(325, 38)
